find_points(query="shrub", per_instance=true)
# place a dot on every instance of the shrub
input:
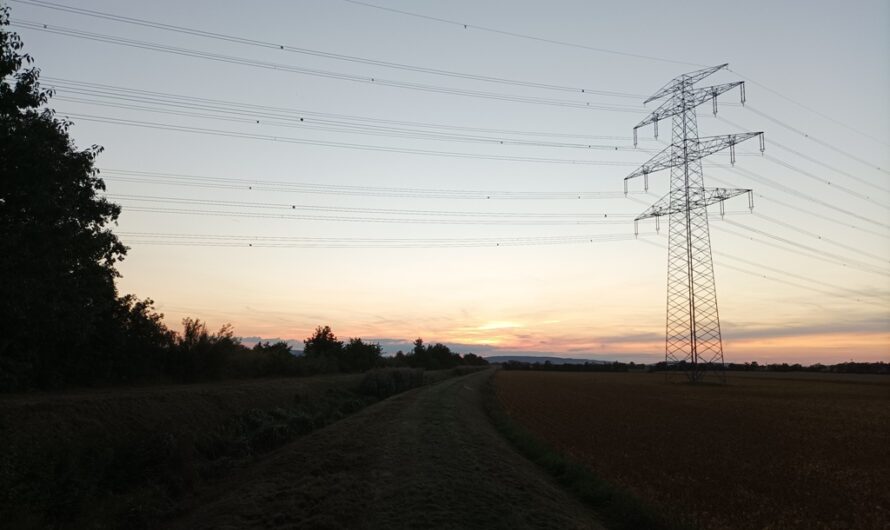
(386, 382)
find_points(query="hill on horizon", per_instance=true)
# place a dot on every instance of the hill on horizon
(541, 359)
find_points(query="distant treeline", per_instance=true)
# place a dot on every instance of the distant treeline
(840, 368)
(324, 353)
(571, 367)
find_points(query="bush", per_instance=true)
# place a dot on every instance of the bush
(386, 382)
(464, 370)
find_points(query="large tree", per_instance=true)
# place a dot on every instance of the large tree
(57, 251)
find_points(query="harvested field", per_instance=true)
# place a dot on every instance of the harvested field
(760, 452)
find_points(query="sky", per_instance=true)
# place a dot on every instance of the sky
(283, 165)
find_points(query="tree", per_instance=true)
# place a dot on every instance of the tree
(142, 341)
(275, 359)
(322, 351)
(360, 356)
(439, 356)
(418, 357)
(323, 342)
(199, 354)
(471, 359)
(399, 359)
(57, 252)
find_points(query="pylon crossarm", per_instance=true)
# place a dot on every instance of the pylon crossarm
(670, 157)
(694, 98)
(712, 144)
(698, 198)
(686, 79)
(658, 162)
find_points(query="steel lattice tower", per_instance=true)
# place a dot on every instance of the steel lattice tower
(693, 341)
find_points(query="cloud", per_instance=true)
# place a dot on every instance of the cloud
(742, 331)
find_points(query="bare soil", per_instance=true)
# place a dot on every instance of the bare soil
(428, 458)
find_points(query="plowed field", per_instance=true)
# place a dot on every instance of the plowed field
(760, 452)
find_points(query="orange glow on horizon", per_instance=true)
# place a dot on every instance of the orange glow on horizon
(561, 338)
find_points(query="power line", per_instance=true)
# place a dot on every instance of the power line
(824, 144)
(131, 94)
(468, 26)
(377, 191)
(830, 168)
(804, 250)
(834, 185)
(814, 111)
(390, 132)
(198, 240)
(834, 293)
(820, 216)
(186, 52)
(318, 53)
(365, 219)
(835, 290)
(810, 198)
(799, 286)
(433, 213)
(363, 147)
(375, 211)
(883, 259)
(784, 147)
(423, 216)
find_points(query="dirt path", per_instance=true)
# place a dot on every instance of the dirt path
(426, 458)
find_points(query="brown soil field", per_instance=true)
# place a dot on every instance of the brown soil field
(758, 452)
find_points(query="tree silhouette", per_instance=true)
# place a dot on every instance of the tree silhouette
(57, 252)
(322, 351)
(322, 342)
(359, 356)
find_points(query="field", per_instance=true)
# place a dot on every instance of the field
(764, 451)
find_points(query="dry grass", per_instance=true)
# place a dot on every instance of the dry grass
(135, 456)
(760, 452)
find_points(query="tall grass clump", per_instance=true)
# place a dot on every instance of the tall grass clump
(386, 382)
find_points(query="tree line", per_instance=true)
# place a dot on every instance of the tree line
(839, 368)
(548, 366)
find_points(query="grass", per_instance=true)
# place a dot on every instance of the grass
(618, 508)
(136, 457)
(759, 452)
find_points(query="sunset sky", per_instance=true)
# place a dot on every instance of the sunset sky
(422, 223)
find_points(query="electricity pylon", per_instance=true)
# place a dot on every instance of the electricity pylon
(692, 332)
